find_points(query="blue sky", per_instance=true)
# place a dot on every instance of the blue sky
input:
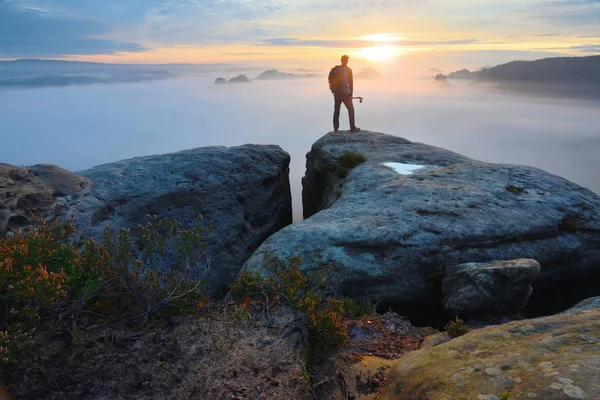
(246, 30)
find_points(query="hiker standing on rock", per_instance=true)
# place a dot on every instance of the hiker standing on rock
(341, 84)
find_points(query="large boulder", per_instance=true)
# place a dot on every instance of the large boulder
(243, 191)
(483, 289)
(389, 236)
(551, 358)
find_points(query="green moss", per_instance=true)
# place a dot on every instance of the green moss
(351, 160)
(515, 189)
(347, 161)
(569, 224)
(504, 396)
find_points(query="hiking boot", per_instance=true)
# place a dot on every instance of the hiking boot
(354, 130)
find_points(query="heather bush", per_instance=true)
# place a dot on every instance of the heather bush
(52, 275)
(456, 328)
(291, 286)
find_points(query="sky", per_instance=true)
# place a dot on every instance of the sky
(304, 33)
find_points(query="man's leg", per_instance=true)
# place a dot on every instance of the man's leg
(350, 106)
(336, 113)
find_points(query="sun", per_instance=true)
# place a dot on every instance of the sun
(378, 53)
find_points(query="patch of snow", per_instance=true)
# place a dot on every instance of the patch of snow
(403, 169)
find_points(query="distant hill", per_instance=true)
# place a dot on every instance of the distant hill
(27, 62)
(463, 74)
(559, 76)
(560, 69)
(369, 73)
(275, 75)
(31, 73)
(71, 80)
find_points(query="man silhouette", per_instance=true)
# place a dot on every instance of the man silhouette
(341, 83)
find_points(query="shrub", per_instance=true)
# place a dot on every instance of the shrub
(165, 275)
(246, 285)
(356, 309)
(298, 291)
(456, 328)
(329, 324)
(52, 272)
(44, 272)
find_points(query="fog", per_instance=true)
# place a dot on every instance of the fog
(82, 126)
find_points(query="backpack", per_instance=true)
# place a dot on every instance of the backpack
(336, 80)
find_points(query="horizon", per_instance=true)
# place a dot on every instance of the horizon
(300, 33)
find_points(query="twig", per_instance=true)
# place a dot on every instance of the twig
(321, 383)
(304, 316)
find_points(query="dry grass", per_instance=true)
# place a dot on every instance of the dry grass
(226, 353)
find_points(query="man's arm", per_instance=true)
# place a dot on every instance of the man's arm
(351, 82)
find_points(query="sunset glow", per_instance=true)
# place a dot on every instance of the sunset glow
(468, 33)
(379, 53)
(382, 37)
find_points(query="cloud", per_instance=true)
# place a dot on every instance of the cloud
(584, 48)
(569, 12)
(27, 30)
(294, 42)
(185, 22)
(587, 48)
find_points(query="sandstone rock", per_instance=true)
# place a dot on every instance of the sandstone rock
(545, 358)
(390, 236)
(41, 190)
(243, 191)
(494, 288)
(239, 79)
(587, 304)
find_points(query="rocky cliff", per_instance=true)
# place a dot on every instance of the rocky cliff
(389, 228)
(242, 191)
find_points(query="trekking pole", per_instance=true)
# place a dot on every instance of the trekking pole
(359, 98)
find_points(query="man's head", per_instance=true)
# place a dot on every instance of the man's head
(345, 59)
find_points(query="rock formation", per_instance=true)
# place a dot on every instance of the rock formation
(587, 304)
(243, 191)
(496, 288)
(275, 75)
(552, 358)
(43, 190)
(369, 73)
(220, 81)
(239, 79)
(387, 234)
